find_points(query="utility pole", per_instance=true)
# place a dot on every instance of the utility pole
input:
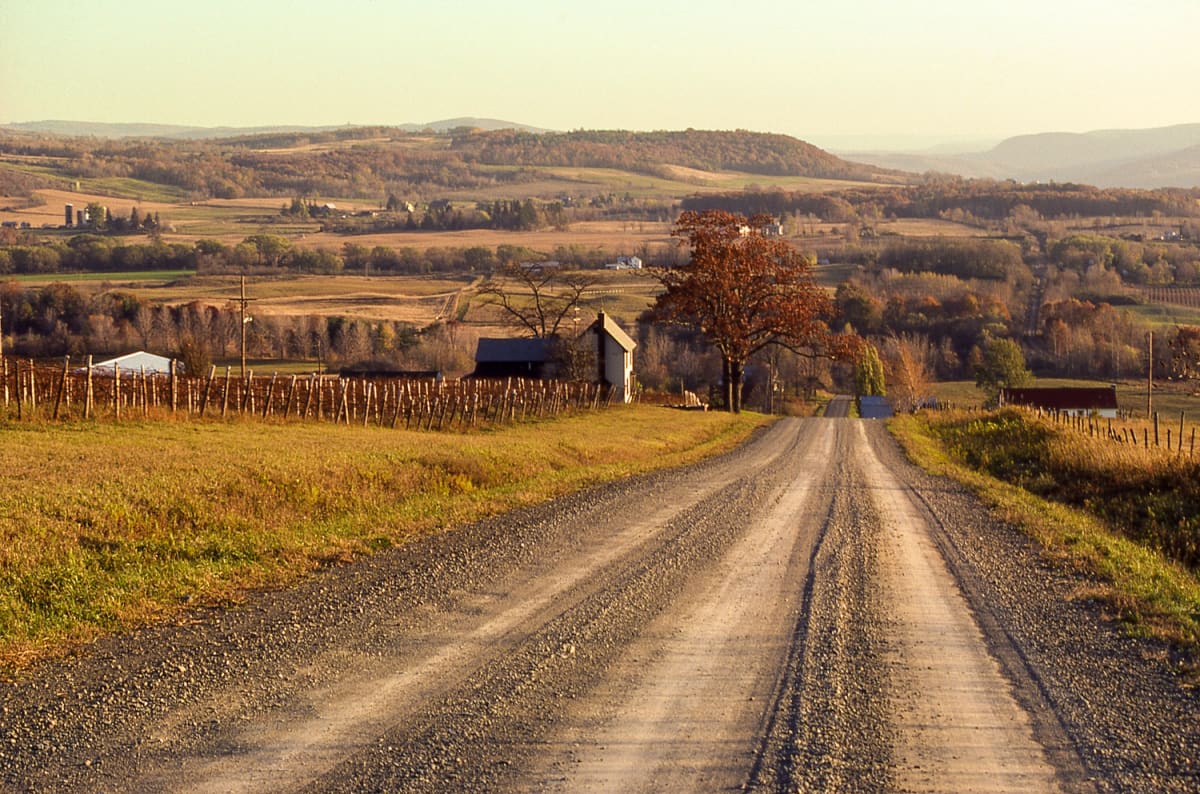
(242, 302)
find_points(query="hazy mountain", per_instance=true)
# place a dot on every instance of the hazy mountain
(106, 130)
(1149, 158)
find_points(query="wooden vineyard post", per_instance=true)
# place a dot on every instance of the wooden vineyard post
(308, 400)
(225, 393)
(145, 394)
(32, 388)
(17, 388)
(270, 395)
(88, 392)
(287, 408)
(368, 390)
(247, 385)
(62, 386)
(174, 379)
(4, 377)
(1181, 417)
(212, 375)
(1156, 429)
(117, 392)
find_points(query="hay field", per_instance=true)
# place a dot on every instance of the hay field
(617, 237)
(929, 227)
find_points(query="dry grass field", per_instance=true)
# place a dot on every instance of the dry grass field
(915, 227)
(617, 237)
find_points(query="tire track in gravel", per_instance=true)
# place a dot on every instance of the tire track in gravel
(829, 729)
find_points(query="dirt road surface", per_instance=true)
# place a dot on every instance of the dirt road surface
(806, 613)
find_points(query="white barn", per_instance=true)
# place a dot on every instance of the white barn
(135, 362)
(614, 356)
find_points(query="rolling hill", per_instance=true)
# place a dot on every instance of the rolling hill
(94, 129)
(1146, 158)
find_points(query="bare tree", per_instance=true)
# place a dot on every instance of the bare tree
(536, 298)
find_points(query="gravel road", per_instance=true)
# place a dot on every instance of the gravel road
(809, 612)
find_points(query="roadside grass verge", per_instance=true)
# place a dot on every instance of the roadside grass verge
(1150, 594)
(107, 527)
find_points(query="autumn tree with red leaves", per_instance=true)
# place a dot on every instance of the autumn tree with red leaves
(745, 291)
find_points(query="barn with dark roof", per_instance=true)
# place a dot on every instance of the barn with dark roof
(1069, 400)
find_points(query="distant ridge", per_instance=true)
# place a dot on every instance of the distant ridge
(1147, 158)
(96, 129)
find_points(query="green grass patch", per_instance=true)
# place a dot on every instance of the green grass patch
(138, 189)
(1166, 314)
(138, 276)
(1130, 522)
(105, 527)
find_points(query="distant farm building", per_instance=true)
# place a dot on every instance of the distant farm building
(141, 361)
(625, 263)
(1072, 401)
(513, 358)
(614, 356)
(772, 229)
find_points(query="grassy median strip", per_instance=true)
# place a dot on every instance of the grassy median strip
(104, 527)
(1150, 594)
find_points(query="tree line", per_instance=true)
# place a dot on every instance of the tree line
(975, 198)
(268, 253)
(58, 320)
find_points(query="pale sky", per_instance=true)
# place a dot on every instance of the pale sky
(930, 69)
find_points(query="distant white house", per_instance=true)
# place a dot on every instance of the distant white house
(625, 263)
(134, 362)
(614, 356)
(769, 230)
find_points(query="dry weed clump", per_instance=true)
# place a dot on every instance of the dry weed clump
(1148, 494)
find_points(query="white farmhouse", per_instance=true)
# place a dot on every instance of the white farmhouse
(614, 356)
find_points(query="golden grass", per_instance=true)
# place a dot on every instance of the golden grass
(915, 227)
(106, 527)
(616, 237)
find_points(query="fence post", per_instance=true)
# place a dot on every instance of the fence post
(225, 392)
(270, 395)
(212, 375)
(62, 385)
(88, 393)
(1181, 416)
(287, 409)
(117, 391)
(1156, 428)
(32, 388)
